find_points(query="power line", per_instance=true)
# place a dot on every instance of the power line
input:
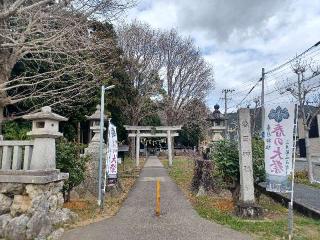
(315, 74)
(293, 59)
(281, 72)
(253, 87)
(273, 75)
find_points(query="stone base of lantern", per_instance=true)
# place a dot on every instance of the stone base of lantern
(32, 176)
(32, 211)
(248, 210)
(88, 189)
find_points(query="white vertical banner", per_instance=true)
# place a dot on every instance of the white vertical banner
(278, 128)
(112, 154)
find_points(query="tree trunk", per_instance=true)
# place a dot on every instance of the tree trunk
(308, 155)
(78, 132)
(170, 115)
(4, 100)
(1, 121)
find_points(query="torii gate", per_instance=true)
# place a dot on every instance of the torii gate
(153, 131)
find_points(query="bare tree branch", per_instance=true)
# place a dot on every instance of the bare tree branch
(51, 52)
(187, 75)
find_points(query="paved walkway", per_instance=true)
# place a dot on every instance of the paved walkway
(136, 219)
(306, 195)
(305, 199)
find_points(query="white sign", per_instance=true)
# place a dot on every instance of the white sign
(112, 155)
(278, 128)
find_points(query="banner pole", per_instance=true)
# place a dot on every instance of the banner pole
(105, 174)
(290, 207)
(262, 103)
(101, 147)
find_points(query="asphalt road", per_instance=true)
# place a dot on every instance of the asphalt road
(136, 219)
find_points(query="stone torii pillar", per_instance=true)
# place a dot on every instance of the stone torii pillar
(139, 132)
(137, 148)
(169, 147)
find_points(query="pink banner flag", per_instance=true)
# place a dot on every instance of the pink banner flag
(278, 129)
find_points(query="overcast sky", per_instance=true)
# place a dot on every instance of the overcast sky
(238, 37)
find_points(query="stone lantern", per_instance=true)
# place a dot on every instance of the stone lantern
(95, 124)
(45, 129)
(88, 188)
(218, 127)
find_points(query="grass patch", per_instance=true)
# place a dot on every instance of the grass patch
(88, 210)
(302, 177)
(220, 209)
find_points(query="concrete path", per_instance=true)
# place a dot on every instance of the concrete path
(305, 199)
(136, 219)
(309, 196)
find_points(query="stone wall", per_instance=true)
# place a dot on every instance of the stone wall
(314, 146)
(32, 211)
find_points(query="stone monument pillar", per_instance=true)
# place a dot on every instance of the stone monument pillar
(246, 207)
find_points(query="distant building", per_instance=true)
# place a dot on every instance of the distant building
(314, 136)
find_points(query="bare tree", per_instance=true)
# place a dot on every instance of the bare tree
(56, 45)
(187, 76)
(197, 116)
(139, 43)
(89, 8)
(164, 60)
(303, 89)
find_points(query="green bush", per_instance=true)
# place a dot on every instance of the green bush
(16, 130)
(258, 159)
(226, 163)
(69, 161)
(226, 159)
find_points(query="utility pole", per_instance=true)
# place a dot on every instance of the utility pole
(257, 102)
(225, 98)
(262, 87)
(262, 101)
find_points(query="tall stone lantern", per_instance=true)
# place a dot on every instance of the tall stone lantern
(217, 122)
(89, 187)
(45, 129)
(215, 132)
(94, 120)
